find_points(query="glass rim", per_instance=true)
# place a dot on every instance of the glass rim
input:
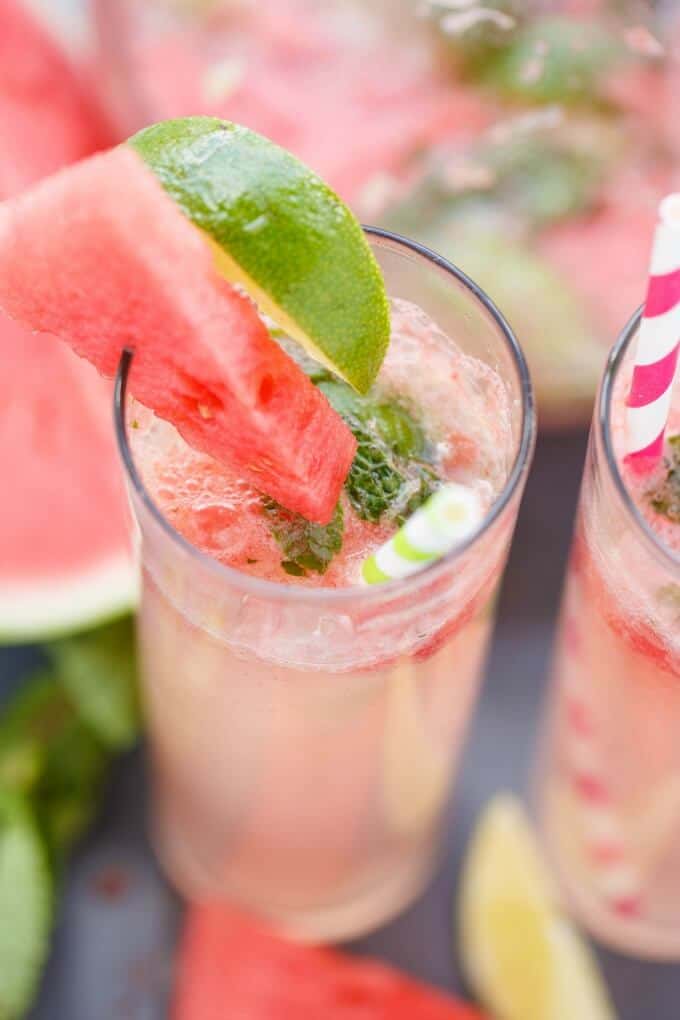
(603, 416)
(278, 590)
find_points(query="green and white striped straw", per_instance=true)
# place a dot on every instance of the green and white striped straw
(449, 516)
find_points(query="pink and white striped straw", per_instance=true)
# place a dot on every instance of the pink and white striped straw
(658, 342)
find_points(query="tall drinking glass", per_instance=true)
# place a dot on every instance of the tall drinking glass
(608, 774)
(304, 741)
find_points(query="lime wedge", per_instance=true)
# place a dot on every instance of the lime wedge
(282, 234)
(524, 960)
(25, 906)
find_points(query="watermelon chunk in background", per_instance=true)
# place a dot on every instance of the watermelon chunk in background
(47, 118)
(232, 966)
(64, 546)
(72, 265)
(64, 553)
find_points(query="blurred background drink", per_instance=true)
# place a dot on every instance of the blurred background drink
(305, 730)
(529, 142)
(608, 779)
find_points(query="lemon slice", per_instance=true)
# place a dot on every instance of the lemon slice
(280, 232)
(524, 960)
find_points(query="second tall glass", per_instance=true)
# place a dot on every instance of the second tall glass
(608, 776)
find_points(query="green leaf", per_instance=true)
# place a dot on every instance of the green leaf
(306, 546)
(25, 906)
(98, 669)
(665, 498)
(554, 60)
(474, 41)
(374, 482)
(399, 429)
(544, 177)
(386, 477)
(27, 724)
(48, 753)
(390, 475)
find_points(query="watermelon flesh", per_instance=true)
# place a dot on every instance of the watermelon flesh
(99, 255)
(46, 116)
(231, 966)
(64, 547)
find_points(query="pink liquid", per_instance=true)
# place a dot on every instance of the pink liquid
(304, 749)
(610, 778)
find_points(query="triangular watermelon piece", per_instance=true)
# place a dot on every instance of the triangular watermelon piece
(101, 256)
(232, 966)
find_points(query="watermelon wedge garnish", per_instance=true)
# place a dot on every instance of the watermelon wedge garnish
(102, 257)
(232, 966)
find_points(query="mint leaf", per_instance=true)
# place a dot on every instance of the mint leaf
(473, 41)
(98, 669)
(25, 906)
(555, 59)
(399, 429)
(50, 755)
(374, 482)
(665, 499)
(306, 546)
(390, 475)
(387, 478)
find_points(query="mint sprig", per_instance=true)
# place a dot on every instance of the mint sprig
(665, 499)
(391, 476)
(306, 546)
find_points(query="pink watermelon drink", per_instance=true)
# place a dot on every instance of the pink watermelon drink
(306, 730)
(609, 778)
(304, 726)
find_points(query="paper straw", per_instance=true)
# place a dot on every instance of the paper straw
(656, 355)
(449, 516)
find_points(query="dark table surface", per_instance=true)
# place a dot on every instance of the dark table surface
(112, 957)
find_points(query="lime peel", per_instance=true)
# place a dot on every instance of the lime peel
(279, 231)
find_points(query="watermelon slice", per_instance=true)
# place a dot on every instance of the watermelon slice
(100, 256)
(64, 557)
(46, 116)
(230, 966)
